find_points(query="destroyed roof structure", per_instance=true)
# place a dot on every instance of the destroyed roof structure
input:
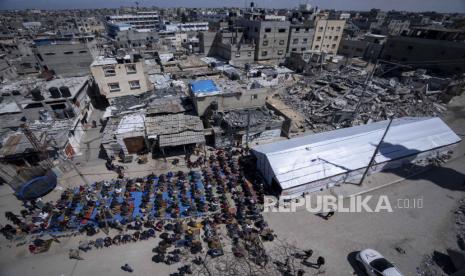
(318, 161)
(343, 98)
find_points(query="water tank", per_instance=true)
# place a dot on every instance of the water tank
(54, 92)
(65, 92)
(37, 187)
(36, 94)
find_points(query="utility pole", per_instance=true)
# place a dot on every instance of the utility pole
(75, 168)
(376, 151)
(365, 84)
(248, 129)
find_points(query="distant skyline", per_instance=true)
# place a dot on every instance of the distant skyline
(457, 6)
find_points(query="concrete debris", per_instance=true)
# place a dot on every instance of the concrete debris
(348, 97)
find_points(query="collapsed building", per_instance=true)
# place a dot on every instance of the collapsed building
(330, 101)
(244, 127)
(319, 161)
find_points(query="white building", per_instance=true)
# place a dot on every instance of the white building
(116, 78)
(140, 20)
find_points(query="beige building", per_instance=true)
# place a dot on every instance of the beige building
(328, 34)
(120, 77)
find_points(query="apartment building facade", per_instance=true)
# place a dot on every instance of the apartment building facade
(270, 35)
(300, 38)
(328, 35)
(139, 20)
(120, 77)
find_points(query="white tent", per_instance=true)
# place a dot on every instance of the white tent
(323, 156)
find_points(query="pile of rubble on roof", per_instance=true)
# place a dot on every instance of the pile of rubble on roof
(347, 97)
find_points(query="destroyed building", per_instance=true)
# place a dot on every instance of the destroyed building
(61, 99)
(245, 127)
(329, 100)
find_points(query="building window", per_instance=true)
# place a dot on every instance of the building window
(294, 50)
(268, 30)
(320, 29)
(238, 54)
(131, 68)
(50, 54)
(281, 42)
(109, 71)
(318, 38)
(265, 42)
(307, 30)
(249, 54)
(303, 49)
(338, 28)
(317, 47)
(82, 51)
(264, 53)
(282, 30)
(336, 38)
(134, 84)
(68, 53)
(304, 41)
(333, 46)
(297, 30)
(295, 41)
(280, 52)
(254, 97)
(114, 87)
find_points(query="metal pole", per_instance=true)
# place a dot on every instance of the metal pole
(376, 152)
(78, 171)
(248, 129)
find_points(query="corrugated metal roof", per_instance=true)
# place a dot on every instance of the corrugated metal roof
(306, 159)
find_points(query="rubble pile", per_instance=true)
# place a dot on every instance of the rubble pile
(240, 118)
(346, 98)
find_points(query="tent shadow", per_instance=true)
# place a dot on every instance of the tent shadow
(444, 177)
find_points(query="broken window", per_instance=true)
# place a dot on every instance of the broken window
(265, 42)
(114, 87)
(264, 53)
(295, 41)
(281, 42)
(68, 53)
(268, 30)
(304, 41)
(109, 70)
(134, 84)
(254, 97)
(282, 30)
(131, 68)
(280, 52)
